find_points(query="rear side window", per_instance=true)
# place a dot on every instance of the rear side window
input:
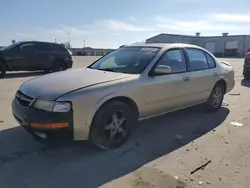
(27, 48)
(210, 60)
(197, 59)
(59, 48)
(44, 47)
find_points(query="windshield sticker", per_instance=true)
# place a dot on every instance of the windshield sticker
(149, 49)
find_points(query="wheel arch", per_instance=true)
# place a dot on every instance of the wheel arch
(4, 62)
(124, 99)
(223, 83)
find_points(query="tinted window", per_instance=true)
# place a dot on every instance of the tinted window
(42, 47)
(59, 48)
(15, 50)
(210, 60)
(131, 60)
(11, 46)
(197, 59)
(27, 48)
(174, 59)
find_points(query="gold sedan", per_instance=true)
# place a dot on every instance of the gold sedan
(105, 100)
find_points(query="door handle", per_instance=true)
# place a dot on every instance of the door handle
(215, 74)
(186, 78)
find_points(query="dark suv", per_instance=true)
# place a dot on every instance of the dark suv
(246, 68)
(32, 56)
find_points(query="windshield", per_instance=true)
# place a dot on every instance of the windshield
(10, 46)
(130, 60)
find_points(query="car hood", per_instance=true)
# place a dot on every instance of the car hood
(54, 85)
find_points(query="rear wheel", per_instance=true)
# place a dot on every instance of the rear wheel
(3, 69)
(111, 125)
(58, 66)
(215, 99)
(246, 74)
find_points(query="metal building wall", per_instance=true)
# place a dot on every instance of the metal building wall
(220, 42)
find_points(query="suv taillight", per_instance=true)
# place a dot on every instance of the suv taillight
(247, 56)
(70, 53)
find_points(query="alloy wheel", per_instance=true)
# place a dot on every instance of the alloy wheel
(217, 97)
(116, 127)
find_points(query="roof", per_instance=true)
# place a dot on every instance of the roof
(193, 36)
(166, 45)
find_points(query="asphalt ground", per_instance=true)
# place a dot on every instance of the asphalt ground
(162, 152)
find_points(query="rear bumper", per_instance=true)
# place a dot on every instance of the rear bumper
(25, 116)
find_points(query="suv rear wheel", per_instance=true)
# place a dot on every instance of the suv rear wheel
(58, 66)
(3, 69)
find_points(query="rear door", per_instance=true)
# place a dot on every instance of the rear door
(43, 52)
(202, 74)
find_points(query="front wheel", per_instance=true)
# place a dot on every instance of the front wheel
(3, 69)
(215, 99)
(111, 125)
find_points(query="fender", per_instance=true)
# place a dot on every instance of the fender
(104, 99)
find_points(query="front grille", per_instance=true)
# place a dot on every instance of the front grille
(23, 99)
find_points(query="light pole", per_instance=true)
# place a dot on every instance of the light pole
(83, 43)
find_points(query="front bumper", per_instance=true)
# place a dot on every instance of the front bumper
(26, 115)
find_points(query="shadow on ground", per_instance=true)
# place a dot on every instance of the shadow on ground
(27, 163)
(245, 82)
(22, 74)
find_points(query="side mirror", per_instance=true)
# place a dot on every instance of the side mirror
(162, 69)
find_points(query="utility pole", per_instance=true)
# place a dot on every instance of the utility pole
(69, 32)
(83, 43)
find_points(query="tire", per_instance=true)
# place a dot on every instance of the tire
(215, 99)
(57, 67)
(3, 69)
(105, 132)
(246, 74)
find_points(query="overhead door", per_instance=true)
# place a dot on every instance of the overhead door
(231, 48)
(210, 46)
(232, 44)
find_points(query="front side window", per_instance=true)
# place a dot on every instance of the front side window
(197, 59)
(175, 60)
(11, 46)
(130, 60)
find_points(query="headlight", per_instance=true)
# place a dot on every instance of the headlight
(61, 107)
(52, 106)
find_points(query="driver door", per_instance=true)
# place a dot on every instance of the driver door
(167, 92)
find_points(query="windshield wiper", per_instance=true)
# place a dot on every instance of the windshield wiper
(108, 69)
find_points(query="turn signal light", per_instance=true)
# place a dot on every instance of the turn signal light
(49, 126)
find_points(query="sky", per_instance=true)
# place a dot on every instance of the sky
(111, 23)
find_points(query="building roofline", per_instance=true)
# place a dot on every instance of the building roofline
(196, 36)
